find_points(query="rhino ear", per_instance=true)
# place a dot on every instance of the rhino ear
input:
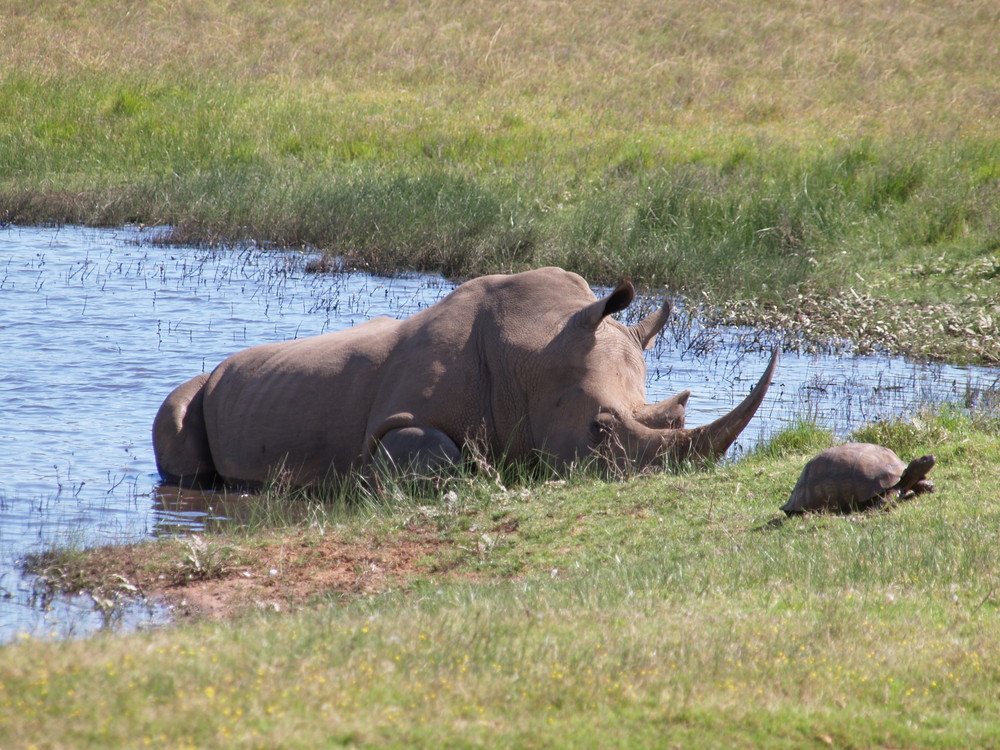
(592, 315)
(646, 329)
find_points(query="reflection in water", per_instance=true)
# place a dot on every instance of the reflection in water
(97, 328)
(179, 510)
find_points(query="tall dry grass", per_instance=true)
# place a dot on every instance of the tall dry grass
(805, 69)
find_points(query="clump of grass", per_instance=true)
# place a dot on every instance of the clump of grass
(802, 436)
(201, 560)
(379, 495)
(907, 435)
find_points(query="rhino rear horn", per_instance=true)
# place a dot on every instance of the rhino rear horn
(668, 414)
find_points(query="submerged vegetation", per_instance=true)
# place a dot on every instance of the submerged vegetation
(753, 155)
(679, 608)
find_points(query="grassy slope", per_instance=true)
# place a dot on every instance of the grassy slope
(750, 153)
(665, 610)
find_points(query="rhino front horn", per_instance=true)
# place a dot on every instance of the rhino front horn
(712, 440)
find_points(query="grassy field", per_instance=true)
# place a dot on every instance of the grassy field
(663, 611)
(751, 154)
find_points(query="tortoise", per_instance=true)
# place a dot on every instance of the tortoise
(857, 476)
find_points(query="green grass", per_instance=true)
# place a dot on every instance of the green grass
(733, 215)
(753, 155)
(666, 610)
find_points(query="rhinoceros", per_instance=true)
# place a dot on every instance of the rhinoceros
(525, 366)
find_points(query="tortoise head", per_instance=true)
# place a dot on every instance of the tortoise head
(916, 471)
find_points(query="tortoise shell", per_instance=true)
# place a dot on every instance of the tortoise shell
(855, 476)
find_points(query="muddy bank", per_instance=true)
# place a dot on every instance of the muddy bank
(224, 577)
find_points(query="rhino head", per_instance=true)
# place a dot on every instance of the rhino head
(591, 399)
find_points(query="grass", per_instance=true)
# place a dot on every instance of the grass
(753, 155)
(668, 609)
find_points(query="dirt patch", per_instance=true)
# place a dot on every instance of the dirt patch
(220, 578)
(292, 572)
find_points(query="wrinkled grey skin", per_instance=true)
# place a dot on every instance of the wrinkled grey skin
(524, 365)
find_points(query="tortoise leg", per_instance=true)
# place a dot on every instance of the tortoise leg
(924, 485)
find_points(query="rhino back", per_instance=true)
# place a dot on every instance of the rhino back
(303, 404)
(467, 366)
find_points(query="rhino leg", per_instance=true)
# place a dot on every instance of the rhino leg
(180, 442)
(417, 451)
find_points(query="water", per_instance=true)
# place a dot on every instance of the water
(96, 327)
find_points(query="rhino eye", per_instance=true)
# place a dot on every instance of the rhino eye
(602, 427)
(597, 432)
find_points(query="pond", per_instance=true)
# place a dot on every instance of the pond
(97, 326)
